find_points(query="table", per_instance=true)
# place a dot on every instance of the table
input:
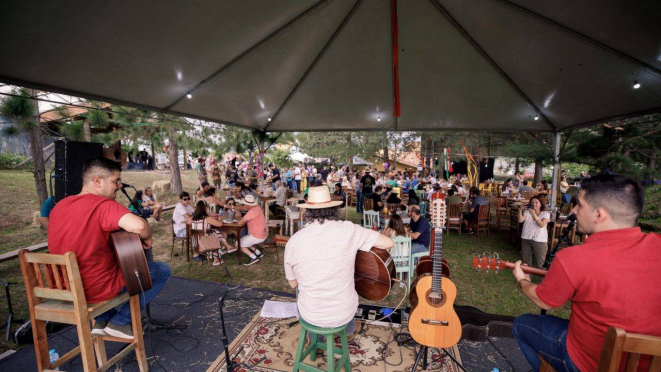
(292, 213)
(234, 228)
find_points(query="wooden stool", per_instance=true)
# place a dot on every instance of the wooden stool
(61, 298)
(331, 350)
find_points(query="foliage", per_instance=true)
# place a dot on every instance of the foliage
(9, 161)
(652, 203)
(280, 157)
(19, 107)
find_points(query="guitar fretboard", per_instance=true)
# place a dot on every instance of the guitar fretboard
(437, 272)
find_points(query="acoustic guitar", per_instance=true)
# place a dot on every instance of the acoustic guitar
(373, 272)
(433, 321)
(425, 267)
(132, 261)
(492, 263)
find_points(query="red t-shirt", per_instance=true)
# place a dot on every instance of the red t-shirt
(614, 279)
(82, 224)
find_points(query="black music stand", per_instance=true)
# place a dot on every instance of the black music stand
(10, 317)
(422, 353)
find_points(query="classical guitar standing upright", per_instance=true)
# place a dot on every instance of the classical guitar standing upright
(433, 321)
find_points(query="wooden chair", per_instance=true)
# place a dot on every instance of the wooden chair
(392, 208)
(176, 238)
(618, 341)
(60, 298)
(483, 217)
(194, 236)
(557, 231)
(480, 187)
(526, 194)
(368, 204)
(488, 189)
(566, 209)
(502, 210)
(454, 220)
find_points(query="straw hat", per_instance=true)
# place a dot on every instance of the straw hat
(319, 197)
(248, 200)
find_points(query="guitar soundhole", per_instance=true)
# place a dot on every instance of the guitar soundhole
(434, 301)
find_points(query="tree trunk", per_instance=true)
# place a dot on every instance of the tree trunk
(185, 159)
(87, 136)
(175, 175)
(385, 149)
(37, 149)
(539, 168)
(651, 165)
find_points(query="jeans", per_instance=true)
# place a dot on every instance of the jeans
(298, 185)
(359, 202)
(418, 248)
(159, 272)
(546, 335)
(351, 329)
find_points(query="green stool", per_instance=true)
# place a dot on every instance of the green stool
(330, 348)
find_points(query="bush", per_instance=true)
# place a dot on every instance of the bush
(9, 161)
(652, 202)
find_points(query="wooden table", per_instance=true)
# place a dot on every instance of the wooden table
(236, 229)
(292, 213)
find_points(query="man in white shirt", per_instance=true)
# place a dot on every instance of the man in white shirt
(297, 177)
(320, 260)
(280, 197)
(182, 213)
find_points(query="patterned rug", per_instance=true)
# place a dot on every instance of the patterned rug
(268, 345)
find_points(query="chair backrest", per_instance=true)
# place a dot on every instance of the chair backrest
(618, 341)
(454, 211)
(502, 201)
(368, 204)
(392, 207)
(52, 276)
(421, 194)
(402, 249)
(423, 208)
(526, 194)
(371, 218)
(292, 201)
(483, 212)
(195, 235)
(481, 186)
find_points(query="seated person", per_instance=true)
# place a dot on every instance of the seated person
(338, 194)
(453, 198)
(420, 231)
(46, 208)
(377, 202)
(473, 205)
(542, 188)
(150, 198)
(139, 207)
(200, 220)
(230, 205)
(525, 187)
(413, 198)
(181, 215)
(395, 226)
(280, 197)
(211, 199)
(257, 233)
(204, 187)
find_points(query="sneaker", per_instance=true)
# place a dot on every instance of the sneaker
(200, 258)
(232, 250)
(252, 261)
(259, 255)
(98, 329)
(125, 331)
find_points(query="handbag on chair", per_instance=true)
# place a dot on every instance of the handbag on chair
(207, 243)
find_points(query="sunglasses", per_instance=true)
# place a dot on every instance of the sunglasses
(185, 199)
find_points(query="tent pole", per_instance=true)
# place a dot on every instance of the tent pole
(556, 167)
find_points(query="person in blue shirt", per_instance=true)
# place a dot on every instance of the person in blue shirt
(48, 206)
(420, 231)
(414, 183)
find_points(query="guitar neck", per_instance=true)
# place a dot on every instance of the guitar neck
(527, 269)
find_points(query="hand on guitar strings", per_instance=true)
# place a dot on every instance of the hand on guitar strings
(518, 272)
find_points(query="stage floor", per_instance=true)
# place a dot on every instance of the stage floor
(194, 304)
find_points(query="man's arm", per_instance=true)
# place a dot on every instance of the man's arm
(134, 224)
(528, 287)
(293, 283)
(44, 222)
(383, 242)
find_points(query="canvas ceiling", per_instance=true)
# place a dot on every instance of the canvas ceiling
(327, 64)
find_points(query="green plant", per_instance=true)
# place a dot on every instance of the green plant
(9, 161)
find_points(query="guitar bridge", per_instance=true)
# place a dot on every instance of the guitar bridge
(435, 322)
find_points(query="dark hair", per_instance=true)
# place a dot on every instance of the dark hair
(378, 188)
(200, 212)
(138, 197)
(413, 195)
(393, 199)
(230, 199)
(99, 167)
(622, 197)
(525, 182)
(183, 195)
(451, 192)
(322, 214)
(397, 224)
(210, 192)
(543, 206)
(475, 191)
(205, 183)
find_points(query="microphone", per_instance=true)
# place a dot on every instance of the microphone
(124, 185)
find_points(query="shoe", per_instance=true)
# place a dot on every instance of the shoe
(125, 331)
(234, 249)
(217, 263)
(259, 255)
(200, 258)
(252, 261)
(98, 329)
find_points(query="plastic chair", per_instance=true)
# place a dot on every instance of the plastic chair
(423, 208)
(331, 350)
(401, 254)
(370, 218)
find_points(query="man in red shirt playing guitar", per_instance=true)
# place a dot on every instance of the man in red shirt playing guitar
(611, 280)
(82, 224)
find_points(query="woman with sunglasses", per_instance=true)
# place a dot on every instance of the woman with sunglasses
(200, 220)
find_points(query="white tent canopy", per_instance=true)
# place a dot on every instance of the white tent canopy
(327, 64)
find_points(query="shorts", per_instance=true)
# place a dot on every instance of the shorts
(181, 233)
(249, 240)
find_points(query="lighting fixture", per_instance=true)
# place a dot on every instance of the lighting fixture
(636, 84)
(378, 118)
(269, 118)
(536, 117)
(189, 96)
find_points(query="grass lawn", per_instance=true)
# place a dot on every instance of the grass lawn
(494, 293)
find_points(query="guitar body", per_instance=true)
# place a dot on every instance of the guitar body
(425, 266)
(131, 258)
(373, 274)
(433, 321)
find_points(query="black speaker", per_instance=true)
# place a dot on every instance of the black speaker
(69, 159)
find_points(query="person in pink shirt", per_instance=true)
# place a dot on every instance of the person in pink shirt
(254, 218)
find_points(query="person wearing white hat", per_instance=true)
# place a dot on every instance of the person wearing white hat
(320, 260)
(257, 233)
